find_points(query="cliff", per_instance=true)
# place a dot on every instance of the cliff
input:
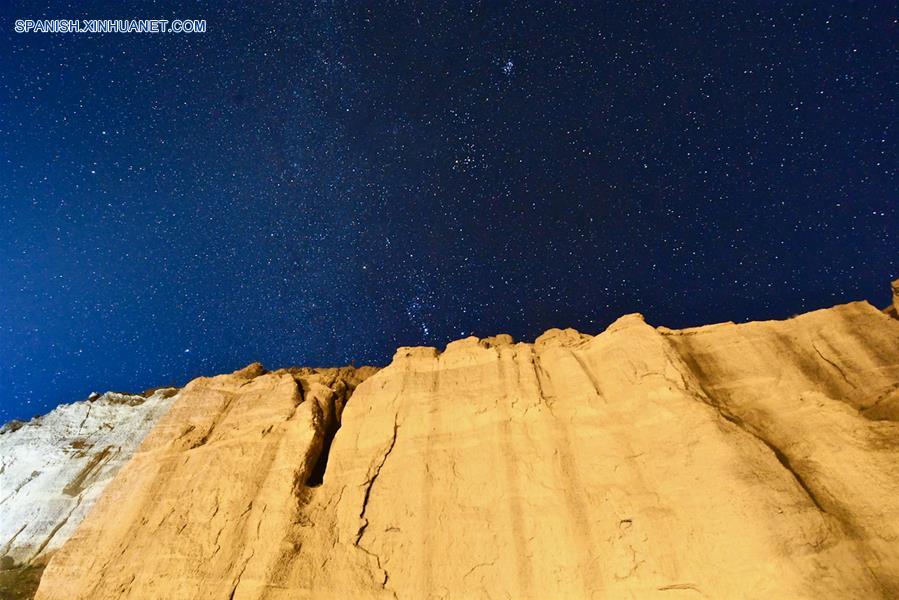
(756, 460)
(53, 469)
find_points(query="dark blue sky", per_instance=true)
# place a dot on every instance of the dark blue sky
(318, 183)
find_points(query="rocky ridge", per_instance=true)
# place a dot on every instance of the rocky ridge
(752, 460)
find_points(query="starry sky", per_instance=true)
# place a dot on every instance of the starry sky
(315, 183)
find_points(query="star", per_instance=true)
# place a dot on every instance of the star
(343, 180)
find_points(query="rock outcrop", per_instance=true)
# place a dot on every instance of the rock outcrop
(208, 499)
(893, 309)
(53, 468)
(756, 460)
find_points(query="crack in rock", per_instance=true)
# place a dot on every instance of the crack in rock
(239, 575)
(364, 521)
(834, 365)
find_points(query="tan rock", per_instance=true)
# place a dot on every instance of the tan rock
(893, 309)
(758, 460)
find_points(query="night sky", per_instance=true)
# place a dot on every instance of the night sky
(319, 183)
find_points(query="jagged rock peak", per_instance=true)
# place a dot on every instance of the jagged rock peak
(893, 309)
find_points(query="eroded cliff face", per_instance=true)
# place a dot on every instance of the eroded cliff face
(731, 461)
(53, 469)
(213, 490)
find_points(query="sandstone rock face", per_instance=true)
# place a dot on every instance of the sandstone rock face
(213, 490)
(53, 468)
(758, 460)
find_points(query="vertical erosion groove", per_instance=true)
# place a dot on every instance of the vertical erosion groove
(332, 424)
(332, 411)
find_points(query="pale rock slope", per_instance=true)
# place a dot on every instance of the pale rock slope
(757, 460)
(53, 468)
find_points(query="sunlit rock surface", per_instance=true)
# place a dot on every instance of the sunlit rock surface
(893, 309)
(53, 468)
(758, 460)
